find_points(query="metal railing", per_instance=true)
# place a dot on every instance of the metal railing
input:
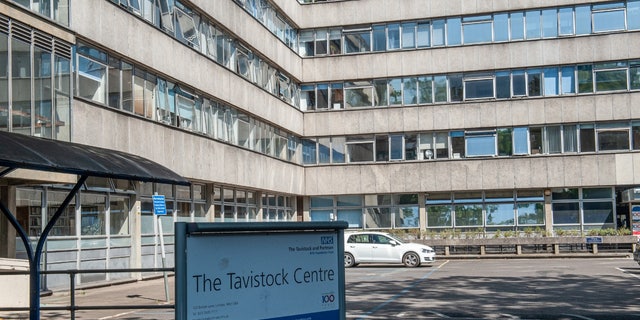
(72, 307)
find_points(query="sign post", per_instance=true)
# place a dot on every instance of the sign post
(160, 209)
(291, 270)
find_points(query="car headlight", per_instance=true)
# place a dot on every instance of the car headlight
(427, 250)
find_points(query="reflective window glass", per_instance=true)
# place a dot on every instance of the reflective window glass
(568, 83)
(408, 35)
(517, 25)
(500, 27)
(456, 92)
(521, 140)
(477, 88)
(337, 149)
(480, 144)
(357, 41)
(587, 138)
(425, 90)
(500, 214)
(551, 83)
(379, 38)
(454, 31)
(534, 82)
(549, 23)
(570, 138)
(565, 16)
(468, 215)
(503, 85)
(583, 19)
(530, 213)
(439, 216)
(609, 80)
(409, 91)
(633, 14)
(598, 212)
(438, 38)
(407, 217)
(477, 29)
(395, 92)
(393, 36)
(519, 83)
(585, 79)
(423, 36)
(566, 213)
(608, 17)
(532, 19)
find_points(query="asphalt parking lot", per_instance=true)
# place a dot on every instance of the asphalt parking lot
(497, 289)
(566, 289)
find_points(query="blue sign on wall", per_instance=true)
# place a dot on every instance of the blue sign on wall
(159, 205)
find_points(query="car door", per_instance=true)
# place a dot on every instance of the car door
(383, 249)
(360, 246)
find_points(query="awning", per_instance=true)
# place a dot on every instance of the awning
(18, 151)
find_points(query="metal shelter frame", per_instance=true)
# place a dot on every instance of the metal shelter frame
(26, 152)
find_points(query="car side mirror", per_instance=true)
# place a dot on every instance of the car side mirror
(393, 243)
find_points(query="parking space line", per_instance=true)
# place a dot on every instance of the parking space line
(402, 293)
(629, 273)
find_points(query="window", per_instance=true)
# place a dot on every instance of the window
(438, 29)
(92, 82)
(359, 149)
(393, 36)
(549, 23)
(409, 90)
(551, 82)
(634, 74)
(425, 90)
(408, 35)
(439, 210)
(309, 151)
(338, 149)
(503, 85)
(423, 35)
(395, 92)
(568, 82)
(532, 19)
(505, 142)
(583, 19)
(633, 15)
(359, 94)
(382, 148)
(478, 86)
(396, 147)
(610, 76)
(321, 42)
(357, 40)
(517, 25)
(519, 83)
(454, 31)
(500, 27)
(480, 143)
(587, 138)
(534, 82)
(608, 17)
(477, 29)
(379, 38)
(456, 92)
(520, 141)
(585, 79)
(565, 17)
(613, 136)
(324, 150)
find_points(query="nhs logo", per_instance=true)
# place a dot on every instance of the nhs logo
(326, 240)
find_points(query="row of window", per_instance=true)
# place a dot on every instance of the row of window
(35, 82)
(203, 35)
(573, 208)
(56, 10)
(269, 16)
(547, 81)
(454, 31)
(103, 208)
(498, 142)
(108, 80)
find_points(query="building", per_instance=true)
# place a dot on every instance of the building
(437, 115)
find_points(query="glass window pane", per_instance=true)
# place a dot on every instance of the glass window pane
(456, 88)
(598, 212)
(553, 139)
(532, 19)
(468, 215)
(91, 79)
(611, 80)
(566, 21)
(500, 214)
(382, 148)
(519, 83)
(309, 151)
(610, 140)
(408, 35)
(93, 214)
(535, 140)
(566, 213)
(360, 152)
(530, 213)
(378, 218)
(440, 86)
(379, 38)
(517, 25)
(358, 97)
(439, 216)
(425, 90)
(503, 85)
(454, 31)
(395, 92)
(407, 217)
(551, 82)
(570, 138)
(393, 36)
(481, 145)
(380, 97)
(597, 193)
(521, 140)
(409, 91)
(587, 138)
(438, 33)
(585, 79)
(411, 147)
(534, 84)
(634, 75)
(352, 216)
(500, 27)
(396, 147)
(568, 80)
(477, 29)
(321, 215)
(477, 89)
(355, 42)
(505, 147)
(349, 201)
(583, 19)
(324, 150)
(608, 20)
(321, 202)
(633, 14)
(423, 35)
(549, 23)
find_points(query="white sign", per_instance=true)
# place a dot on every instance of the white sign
(263, 276)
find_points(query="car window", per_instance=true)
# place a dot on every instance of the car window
(378, 238)
(358, 238)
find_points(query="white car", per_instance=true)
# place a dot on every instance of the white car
(380, 247)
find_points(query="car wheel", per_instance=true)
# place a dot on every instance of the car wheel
(349, 260)
(411, 259)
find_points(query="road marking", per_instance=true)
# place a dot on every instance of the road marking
(402, 293)
(629, 273)
(118, 315)
(578, 316)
